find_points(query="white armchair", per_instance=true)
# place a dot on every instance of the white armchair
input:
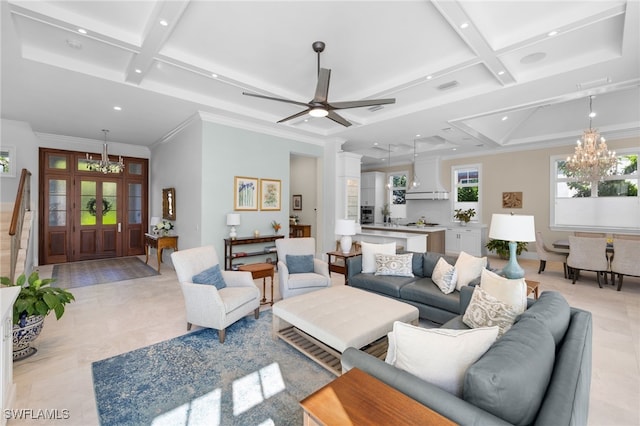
(206, 305)
(300, 283)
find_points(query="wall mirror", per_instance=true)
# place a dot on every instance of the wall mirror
(169, 203)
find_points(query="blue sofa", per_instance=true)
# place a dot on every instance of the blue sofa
(537, 373)
(419, 291)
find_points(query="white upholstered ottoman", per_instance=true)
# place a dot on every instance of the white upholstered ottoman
(336, 318)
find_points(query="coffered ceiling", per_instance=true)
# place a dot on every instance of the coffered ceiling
(468, 76)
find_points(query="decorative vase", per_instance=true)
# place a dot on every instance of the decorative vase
(24, 334)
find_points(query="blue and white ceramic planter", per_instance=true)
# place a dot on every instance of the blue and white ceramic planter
(25, 333)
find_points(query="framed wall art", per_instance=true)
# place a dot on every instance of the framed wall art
(270, 194)
(8, 161)
(512, 200)
(169, 203)
(297, 202)
(245, 193)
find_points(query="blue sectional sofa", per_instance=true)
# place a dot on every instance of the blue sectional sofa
(537, 373)
(419, 290)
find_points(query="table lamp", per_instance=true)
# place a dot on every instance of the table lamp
(346, 228)
(152, 224)
(233, 219)
(512, 228)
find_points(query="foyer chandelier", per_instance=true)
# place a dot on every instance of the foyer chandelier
(415, 182)
(592, 160)
(104, 165)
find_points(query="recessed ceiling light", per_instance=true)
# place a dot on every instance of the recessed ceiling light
(82, 31)
(552, 33)
(454, 149)
(464, 25)
(505, 118)
(214, 75)
(117, 108)
(138, 71)
(501, 72)
(418, 135)
(375, 144)
(164, 22)
(429, 77)
(592, 114)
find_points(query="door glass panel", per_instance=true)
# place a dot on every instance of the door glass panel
(135, 203)
(88, 203)
(57, 202)
(110, 203)
(135, 168)
(83, 164)
(58, 162)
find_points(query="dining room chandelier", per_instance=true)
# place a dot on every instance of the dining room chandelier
(592, 160)
(104, 165)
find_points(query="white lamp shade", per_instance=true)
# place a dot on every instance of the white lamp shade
(346, 227)
(154, 221)
(233, 219)
(507, 227)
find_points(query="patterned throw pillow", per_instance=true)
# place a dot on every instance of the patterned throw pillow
(484, 310)
(211, 276)
(399, 265)
(445, 276)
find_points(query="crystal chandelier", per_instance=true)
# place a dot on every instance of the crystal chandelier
(592, 160)
(415, 182)
(104, 165)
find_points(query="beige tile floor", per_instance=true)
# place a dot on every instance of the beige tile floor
(109, 319)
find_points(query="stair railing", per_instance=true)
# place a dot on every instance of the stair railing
(21, 205)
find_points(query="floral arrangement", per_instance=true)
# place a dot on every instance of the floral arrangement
(276, 226)
(464, 215)
(165, 226)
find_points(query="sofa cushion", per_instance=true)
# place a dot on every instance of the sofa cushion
(398, 265)
(210, 276)
(382, 284)
(553, 311)
(484, 310)
(444, 276)
(299, 264)
(436, 355)
(369, 251)
(469, 268)
(425, 291)
(511, 378)
(416, 261)
(430, 259)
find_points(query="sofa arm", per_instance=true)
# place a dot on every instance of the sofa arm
(425, 393)
(321, 267)
(355, 266)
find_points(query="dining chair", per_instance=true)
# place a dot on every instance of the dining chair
(588, 254)
(548, 255)
(625, 260)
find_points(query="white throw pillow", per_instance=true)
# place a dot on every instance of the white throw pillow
(445, 276)
(369, 251)
(484, 310)
(438, 355)
(511, 292)
(468, 268)
(399, 265)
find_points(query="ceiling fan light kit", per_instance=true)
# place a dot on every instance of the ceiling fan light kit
(319, 106)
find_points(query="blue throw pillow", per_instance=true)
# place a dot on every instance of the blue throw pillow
(211, 276)
(300, 264)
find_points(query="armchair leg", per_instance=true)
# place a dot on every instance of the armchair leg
(222, 335)
(256, 313)
(189, 326)
(620, 281)
(598, 274)
(564, 267)
(574, 274)
(543, 264)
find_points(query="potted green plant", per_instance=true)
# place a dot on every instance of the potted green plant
(35, 301)
(501, 248)
(464, 216)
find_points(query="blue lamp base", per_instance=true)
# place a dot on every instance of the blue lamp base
(512, 270)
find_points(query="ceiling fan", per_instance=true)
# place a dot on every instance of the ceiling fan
(320, 106)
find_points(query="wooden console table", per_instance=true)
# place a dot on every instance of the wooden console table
(299, 231)
(230, 255)
(159, 242)
(356, 398)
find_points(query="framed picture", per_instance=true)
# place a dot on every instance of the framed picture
(269, 194)
(8, 161)
(169, 203)
(245, 193)
(297, 202)
(512, 200)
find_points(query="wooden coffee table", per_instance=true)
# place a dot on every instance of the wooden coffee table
(264, 271)
(356, 398)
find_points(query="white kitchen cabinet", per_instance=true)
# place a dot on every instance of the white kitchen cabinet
(348, 186)
(468, 239)
(372, 192)
(367, 196)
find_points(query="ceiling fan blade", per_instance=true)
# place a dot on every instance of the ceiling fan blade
(276, 99)
(338, 119)
(295, 116)
(322, 89)
(358, 104)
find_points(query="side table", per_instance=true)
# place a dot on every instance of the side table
(337, 261)
(261, 270)
(159, 242)
(532, 287)
(356, 398)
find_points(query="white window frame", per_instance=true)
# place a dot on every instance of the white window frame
(466, 204)
(397, 210)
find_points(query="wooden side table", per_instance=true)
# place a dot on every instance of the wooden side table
(264, 271)
(356, 398)
(159, 242)
(532, 287)
(337, 261)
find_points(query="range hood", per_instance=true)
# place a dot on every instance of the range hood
(428, 172)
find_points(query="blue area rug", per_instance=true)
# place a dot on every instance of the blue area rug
(251, 379)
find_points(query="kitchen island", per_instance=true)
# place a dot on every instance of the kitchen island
(435, 235)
